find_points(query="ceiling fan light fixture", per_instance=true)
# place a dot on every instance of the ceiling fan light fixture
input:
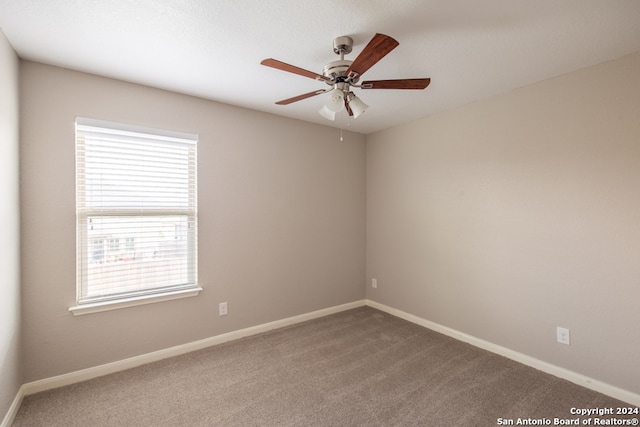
(357, 106)
(335, 100)
(327, 114)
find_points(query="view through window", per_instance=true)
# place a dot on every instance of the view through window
(136, 206)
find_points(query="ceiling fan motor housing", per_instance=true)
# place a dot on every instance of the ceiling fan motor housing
(337, 69)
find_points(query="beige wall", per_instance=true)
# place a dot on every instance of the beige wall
(502, 219)
(10, 375)
(281, 220)
(510, 216)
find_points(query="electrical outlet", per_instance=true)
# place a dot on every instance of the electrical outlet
(222, 309)
(374, 283)
(563, 335)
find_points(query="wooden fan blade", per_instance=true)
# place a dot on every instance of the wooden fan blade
(274, 63)
(300, 97)
(346, 106)
(378, 47)
(396, 84)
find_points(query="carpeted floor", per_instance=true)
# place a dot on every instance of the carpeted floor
(360, 367)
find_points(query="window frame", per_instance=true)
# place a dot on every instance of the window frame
(85, 242)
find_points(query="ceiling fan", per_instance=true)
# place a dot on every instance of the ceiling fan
(343, 74)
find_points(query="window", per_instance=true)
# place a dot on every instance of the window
(136, 213)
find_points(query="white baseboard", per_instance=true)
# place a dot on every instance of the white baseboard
(109, 368)
(574, 377)
(132, 362)
(13, 409)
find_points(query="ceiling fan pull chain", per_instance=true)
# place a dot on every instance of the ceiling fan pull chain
(348, 119)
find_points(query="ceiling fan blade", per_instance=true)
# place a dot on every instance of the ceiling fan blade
(378, 47)
(300, 97)
(347, 107)
(397, 84)
(274, 63)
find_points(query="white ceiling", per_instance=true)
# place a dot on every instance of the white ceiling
(212, 48)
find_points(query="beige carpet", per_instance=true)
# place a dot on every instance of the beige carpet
(361, 367)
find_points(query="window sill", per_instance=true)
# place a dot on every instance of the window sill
(97, 307)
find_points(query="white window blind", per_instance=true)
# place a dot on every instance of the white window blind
(136, 210)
